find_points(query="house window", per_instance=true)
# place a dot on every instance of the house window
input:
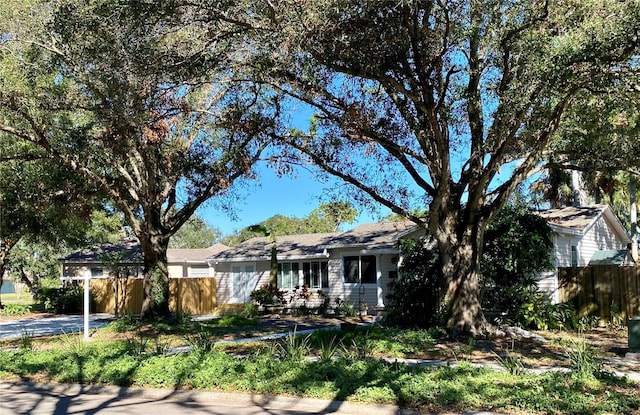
(288, 274)
(96, 273)
(316, 274)
(574, 256)
(199, 271)
(360, 269)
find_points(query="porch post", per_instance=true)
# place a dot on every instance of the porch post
(87, 279)
(379, 281)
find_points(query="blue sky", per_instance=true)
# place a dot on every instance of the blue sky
(271, 195)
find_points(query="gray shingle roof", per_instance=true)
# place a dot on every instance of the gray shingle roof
(287, 246)
(611, 257)
(380, 235)
(571, 217)
(129, 250)
(188, 254)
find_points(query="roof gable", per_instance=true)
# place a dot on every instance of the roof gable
(579, 219)
(572, 217)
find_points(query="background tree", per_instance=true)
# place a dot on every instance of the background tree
(328, 217)
(139, 100)
(195, 233)
(42, 206)
(445, 105)
(600, 139)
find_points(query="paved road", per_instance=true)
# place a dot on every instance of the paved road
(45, 326)
(55, 399)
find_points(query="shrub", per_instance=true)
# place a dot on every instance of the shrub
(64, 300)
(416, 298)
(535, 311)
(345, 308)
(582, 359)
(267, 294)
(15, 309)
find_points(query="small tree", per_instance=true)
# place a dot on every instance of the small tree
(518, 247)
(416, 296)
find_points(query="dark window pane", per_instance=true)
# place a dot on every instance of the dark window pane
(351, 265)
(369, 274)
(324, 270)
(306, 270)
(315, 275)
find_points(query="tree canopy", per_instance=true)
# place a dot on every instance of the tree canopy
(141, 101)
(448, 105)
(195, 233)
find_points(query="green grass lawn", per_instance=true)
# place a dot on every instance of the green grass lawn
(346, 366)
(14, 298)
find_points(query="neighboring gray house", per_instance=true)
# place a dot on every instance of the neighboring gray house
(586, 235)
(355, 266)
(97, 261)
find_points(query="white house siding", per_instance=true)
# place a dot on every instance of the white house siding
(178, 271)
(372, 294)
(548, 284)
(224, 278)
(599, 236)
(199, 271)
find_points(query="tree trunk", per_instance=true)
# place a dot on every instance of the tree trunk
(633, 215)
(155, 277)
(460, 245)
(31, 285)
(5, 247)
(2, 268)
(464, 310)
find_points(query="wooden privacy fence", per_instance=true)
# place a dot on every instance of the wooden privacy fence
(610, 293)
(187, 295)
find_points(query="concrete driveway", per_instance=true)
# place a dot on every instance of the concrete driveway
(46, 326)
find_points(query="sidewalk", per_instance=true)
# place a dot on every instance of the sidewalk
(58, 399)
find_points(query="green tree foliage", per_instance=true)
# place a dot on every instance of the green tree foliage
(416, 298)
(195, 233)
(144, 101)
(42, 205)
(33, 260)
(328, 217)
(518, 247)
(445, 105)
(600, 139)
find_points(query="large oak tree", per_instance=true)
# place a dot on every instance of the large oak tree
(447, 105)
(139, 99)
